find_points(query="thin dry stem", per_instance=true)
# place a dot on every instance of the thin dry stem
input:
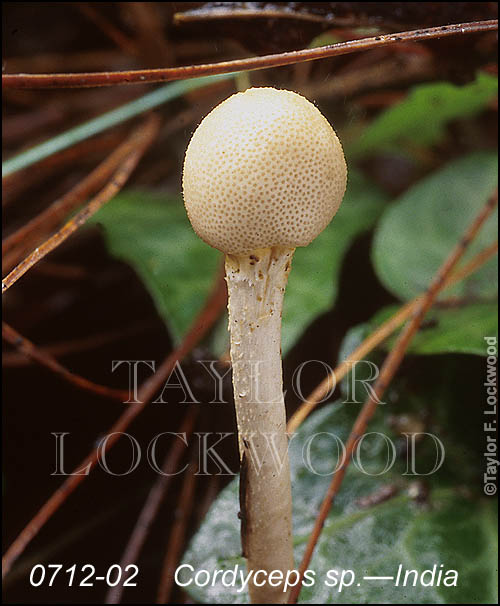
(62, 348)
(18, 182)
(51, 216)
(86, 80)
(248, 13)
(120, 177)
(28, 349)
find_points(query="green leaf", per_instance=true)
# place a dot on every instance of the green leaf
(452, 530)
(455, 534)
(427, 391)
(454, 330)
(313, 282)
(152, 233)
(418, 232)
(420, 119)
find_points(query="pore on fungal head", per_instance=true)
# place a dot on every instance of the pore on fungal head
(264, 168)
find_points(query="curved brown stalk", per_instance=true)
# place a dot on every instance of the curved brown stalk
(27, 348)
(86, 80)
(18, 182)
(51, 216)
(15, 359)
(118, 180)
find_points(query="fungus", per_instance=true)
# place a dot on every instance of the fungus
(264, 173)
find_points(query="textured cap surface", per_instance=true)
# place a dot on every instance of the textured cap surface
(264, 168)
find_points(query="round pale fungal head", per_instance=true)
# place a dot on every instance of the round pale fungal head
(264, 168)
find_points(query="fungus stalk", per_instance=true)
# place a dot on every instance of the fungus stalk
(256, 285)
(264, 173)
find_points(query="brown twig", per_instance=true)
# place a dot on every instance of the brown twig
(388, 370)
(58, 210)
(63, 348)
(90, 79)
(378, 336)
(21, 180)
(153, 502)
(177, 537)
(26, 347)
(205, 320)
(340, 14)
(119, 178)
(15, 246)
(216, 14)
